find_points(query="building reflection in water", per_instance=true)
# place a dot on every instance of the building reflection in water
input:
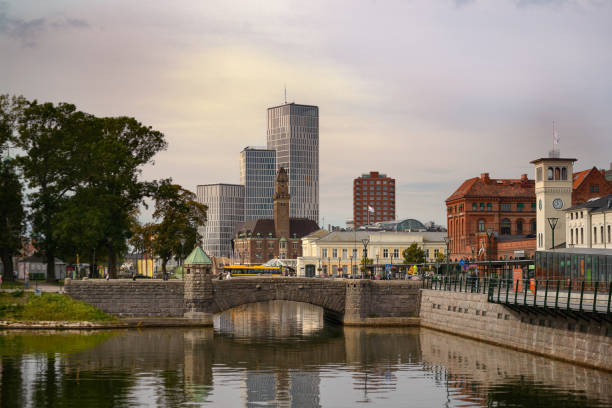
(282, 355)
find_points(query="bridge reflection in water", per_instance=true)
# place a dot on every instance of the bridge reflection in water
(282, 354)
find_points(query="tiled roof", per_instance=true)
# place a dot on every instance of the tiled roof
(485, 187)
(579, 177)
(595, 204)
(298, 226)
(197, 257)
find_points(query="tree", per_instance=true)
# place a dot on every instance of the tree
(12, 215)
(364, 264)
(440, 258)
(142, 236)
(413, 254)
(180, 217)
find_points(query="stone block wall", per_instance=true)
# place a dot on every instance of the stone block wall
(393, 298)
(130, 298)
(471, 315)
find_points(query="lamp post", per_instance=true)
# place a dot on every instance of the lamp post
(352, 274)
(329, 267)
(552, 221)
(182, 240)
(489, 235)
(365, 243)
(447, 242)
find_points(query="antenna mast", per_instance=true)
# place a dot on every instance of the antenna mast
(285, 94)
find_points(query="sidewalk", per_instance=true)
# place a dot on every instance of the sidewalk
(44, 286)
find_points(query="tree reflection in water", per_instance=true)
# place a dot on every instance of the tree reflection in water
(282, 354)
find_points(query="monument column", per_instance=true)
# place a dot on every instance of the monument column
(198, 293)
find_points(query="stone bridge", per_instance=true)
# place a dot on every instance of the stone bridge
(352, 302)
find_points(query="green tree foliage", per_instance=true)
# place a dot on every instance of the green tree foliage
(180, 217)
(364, 264)
(413, 254)
(12, 215)
(440, 257)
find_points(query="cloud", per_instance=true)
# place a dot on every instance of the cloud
(29, 31)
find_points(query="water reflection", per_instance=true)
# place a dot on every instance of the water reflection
(281, 354)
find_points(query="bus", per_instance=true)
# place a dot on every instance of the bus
(244, 270)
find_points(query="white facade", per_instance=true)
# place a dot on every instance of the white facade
(553, 189)
(293, 132)
(589, 225)
(225, 204)
(344, 250)
(257, 175)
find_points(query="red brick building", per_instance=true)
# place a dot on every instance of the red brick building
(590, 184)
(504, 207)
(375, 191)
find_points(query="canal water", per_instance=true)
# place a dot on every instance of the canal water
(282, 354)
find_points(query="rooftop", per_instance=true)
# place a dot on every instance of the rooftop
(484, 186)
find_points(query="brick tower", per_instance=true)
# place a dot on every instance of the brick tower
(281, 205)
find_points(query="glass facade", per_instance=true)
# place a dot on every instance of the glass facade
(293, 132)
(225, 204)
(257, 175)
(574, 265)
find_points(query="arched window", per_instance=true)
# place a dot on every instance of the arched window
(571, 236)
(550, 173)
(519, 227)
(581, 235)
(563, 173)
(481, 226)
(534, 226)
(505, 227)
(557, 173)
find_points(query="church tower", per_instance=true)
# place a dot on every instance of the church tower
(553, 189)
(281, 205)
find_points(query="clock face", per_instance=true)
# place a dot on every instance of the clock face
(540, 204)
(557, 203)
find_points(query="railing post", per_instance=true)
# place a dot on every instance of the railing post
(581, 295)
(609, 296)
(498, 289)
(535, 294)
(516, 292)
(557, 295)
(455, 287)
(569, 294)
(460, 284)
(525, 293)
(546, 293)
(508, 289)
(595, 298)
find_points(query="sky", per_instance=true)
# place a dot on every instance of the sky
(428, 92)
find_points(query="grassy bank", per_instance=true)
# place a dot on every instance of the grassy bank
(12, 285)
(24, 306)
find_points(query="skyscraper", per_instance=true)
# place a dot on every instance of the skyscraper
(225, 204)
(257, 174)
(293, 132)
(373, 198)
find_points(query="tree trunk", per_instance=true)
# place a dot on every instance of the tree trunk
(164, 261)
(50, 268)
(112, 263)
(7, 264)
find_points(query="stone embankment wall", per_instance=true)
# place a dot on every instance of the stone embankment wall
(584, 342)
(130, 298)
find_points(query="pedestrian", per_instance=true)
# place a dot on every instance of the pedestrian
(106, 275)
(228, 276)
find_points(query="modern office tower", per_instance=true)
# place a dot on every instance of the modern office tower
(257, 175)
(373, 198)
(293, 131)
(225, 204)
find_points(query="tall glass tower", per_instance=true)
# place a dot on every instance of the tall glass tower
(225, 204)
(257, 175)
(293, 131)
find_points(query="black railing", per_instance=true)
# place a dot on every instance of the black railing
(571, 295)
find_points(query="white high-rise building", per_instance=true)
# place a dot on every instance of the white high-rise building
(257, 174)
(225, 204)
(293, 132)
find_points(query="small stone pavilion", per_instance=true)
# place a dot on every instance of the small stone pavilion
(198, 294)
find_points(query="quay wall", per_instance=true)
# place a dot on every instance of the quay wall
(585, 342)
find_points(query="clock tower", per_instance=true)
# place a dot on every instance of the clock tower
(553, 190)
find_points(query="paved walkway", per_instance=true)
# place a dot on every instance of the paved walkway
(44, 286)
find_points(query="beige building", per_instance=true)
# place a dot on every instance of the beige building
(340, 252)
(589, 225)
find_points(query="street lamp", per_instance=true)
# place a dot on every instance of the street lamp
(489, 235)
(447, 242)
(182, 240)
(365, 242)
(352, 273)
(552, 221)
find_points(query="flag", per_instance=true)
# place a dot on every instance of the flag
(370, 209)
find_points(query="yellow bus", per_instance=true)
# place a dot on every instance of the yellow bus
(244, 270)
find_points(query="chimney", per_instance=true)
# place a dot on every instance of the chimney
(485, 177)
(523, 177)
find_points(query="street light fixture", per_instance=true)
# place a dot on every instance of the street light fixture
(552, 221)
(182, 240)
(365, 242)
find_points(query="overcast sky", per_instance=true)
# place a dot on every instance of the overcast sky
(428, 92)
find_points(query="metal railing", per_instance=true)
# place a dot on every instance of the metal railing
(570, 295)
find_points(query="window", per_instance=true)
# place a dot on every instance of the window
(609, 235)
(344, 253)
(594, 235)
(489, 207)
(354, 253)
(601, 234)
(474, 207)
(324, 253)
(520, 206)
(571, 216)
(385, 253)
(335, 253)
(481, 226)
(396, 251)
(581, 235)
(571, 236)
(295, 245)
(550, 173)
(594, 188)
(533, 206)
(563, 173)
(539, 174)
(505, 226)
(505, 207)
(519, 227)
(534, 226)
(482, 206)
(557, 173)
(283, 245)
(436, 252)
